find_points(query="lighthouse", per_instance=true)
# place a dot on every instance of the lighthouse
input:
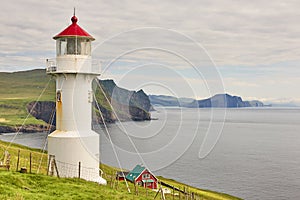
(74, 145)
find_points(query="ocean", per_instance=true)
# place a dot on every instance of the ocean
(252, 153)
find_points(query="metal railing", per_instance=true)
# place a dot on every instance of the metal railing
(52, 67)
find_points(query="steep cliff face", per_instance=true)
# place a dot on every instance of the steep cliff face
(125, 97)
(128, 105)
(44, 110)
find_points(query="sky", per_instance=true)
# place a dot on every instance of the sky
(193, 48)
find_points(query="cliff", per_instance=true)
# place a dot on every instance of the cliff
(128, 105)
(216, 101)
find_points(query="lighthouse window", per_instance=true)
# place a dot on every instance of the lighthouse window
(85, 47)
(73, 46)
(61, 47)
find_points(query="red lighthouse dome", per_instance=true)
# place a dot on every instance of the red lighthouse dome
(74, 30)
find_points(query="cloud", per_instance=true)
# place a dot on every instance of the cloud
(248, 40)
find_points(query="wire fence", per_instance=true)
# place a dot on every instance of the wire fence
(75, 171)
(25, 161)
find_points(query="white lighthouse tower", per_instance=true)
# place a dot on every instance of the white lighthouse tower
(73, 143)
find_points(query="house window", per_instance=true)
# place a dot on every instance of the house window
(146, 176)
(140, 183)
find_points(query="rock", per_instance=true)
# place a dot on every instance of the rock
(44, 110)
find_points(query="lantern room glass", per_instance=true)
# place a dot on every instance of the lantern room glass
(73, 46)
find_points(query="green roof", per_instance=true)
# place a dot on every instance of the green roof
(133, 174)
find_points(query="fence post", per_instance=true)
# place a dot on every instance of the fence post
(54, 162)
(179, 193)
(30, 157)
(111, 180)
(18, 160)
(79, 168)
(173, 192)
(146, 187)
(136, 189)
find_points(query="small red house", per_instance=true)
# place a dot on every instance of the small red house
(142, 177)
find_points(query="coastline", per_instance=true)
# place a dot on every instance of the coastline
(31, 128)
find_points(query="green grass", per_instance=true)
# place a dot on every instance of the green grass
(26, 85)
(16, 186)
(33, 186)
(207, 194)
(13, 113)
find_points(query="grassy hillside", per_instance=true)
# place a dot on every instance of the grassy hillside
(15, 185)
(19, 88)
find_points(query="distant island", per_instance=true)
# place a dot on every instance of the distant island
(216, 101)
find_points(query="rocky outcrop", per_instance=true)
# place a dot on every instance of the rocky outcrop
(44, 110)
(126, 97)
(128, 105)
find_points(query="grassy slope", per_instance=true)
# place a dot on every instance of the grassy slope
(14, 185)
(31, 186)
(19, 88)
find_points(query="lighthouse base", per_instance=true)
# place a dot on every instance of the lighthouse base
(76, 154)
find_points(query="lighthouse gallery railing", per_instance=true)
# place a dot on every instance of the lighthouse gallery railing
(52, 67)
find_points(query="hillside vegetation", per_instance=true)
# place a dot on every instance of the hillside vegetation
(37, 185)
(18, 89)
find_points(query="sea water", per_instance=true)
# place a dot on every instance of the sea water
(256, 153)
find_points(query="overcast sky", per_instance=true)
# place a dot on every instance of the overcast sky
(184, 48)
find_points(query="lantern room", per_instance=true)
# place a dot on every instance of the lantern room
(73, 40)
(73, 46)
(73, 51)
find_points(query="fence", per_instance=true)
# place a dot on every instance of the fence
(25, 161)
(38, 162)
